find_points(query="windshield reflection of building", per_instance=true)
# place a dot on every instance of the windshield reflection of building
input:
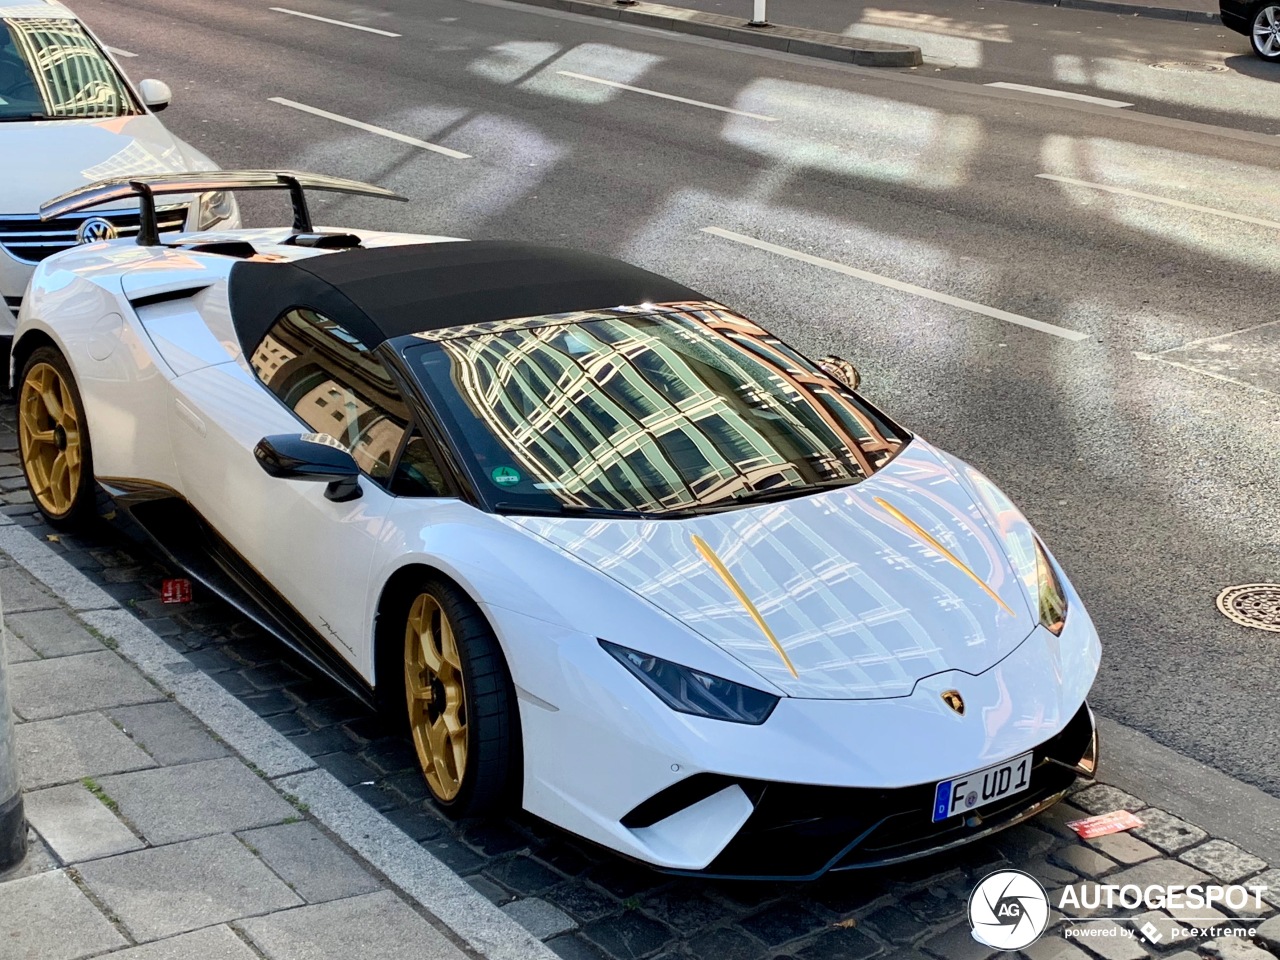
(608, 411)
(72, 76)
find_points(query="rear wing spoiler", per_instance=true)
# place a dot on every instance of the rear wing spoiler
(147, 188)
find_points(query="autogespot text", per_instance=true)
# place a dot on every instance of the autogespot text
(1130, 896)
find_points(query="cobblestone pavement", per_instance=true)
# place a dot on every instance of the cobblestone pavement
(586, 903)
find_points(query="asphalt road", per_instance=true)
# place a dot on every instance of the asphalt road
(1146, 456)
(1194, 71)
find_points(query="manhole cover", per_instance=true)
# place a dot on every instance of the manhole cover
(1254, 605)
(1190, 66)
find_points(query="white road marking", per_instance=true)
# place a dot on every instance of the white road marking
(665, 96)
(1125, 192)
(120, 53)
(1064, 94)
(1220, 336)
(339, 23)
(911, 288)
(380, 131)
(1204, 373)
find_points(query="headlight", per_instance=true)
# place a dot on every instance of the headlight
(214, 208)
(1053, 600)
(1026, 553)
(690, 691)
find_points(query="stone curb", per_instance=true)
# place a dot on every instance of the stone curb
(786, 39)
(438, 889)
(1133, 10)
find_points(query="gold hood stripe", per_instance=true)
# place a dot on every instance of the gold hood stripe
(923, 535)
(718, 566)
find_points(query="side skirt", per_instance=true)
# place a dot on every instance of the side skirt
(193, 545)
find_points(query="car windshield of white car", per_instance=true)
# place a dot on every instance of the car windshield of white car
(648, 411)
(50, 69)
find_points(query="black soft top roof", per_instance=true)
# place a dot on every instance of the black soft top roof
(382, 293)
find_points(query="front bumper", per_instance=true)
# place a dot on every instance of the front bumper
(800, 832)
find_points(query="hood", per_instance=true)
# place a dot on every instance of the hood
(44, 158)
(859, 602)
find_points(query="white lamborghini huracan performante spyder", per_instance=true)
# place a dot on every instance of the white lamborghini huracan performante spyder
(608, 550)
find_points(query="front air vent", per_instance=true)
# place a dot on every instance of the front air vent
(680, 795)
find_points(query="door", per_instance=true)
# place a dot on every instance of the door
(315, 552)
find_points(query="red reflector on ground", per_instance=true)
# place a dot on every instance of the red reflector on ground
(175, 590)
(1104, 824)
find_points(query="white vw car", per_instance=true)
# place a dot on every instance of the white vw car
(607, 549)
(68, 116)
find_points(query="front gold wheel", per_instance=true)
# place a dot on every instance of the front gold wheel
(50, 439)
(437, 698)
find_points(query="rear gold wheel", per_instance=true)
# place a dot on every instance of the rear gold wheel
(437, 697)
(52, 439)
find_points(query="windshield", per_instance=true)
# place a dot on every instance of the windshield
(639, 412)
(51, 69)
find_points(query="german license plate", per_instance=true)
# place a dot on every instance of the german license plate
(973, 790)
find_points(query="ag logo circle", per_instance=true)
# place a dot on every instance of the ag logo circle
(1008, 910)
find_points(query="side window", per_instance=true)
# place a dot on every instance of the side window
(417, 473)
(330, 380)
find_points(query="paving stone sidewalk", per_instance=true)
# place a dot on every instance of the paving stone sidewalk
(150, 839)
(176, 845)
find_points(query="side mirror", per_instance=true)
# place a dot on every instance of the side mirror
(311, 456)
(155, 94)
(838, 368)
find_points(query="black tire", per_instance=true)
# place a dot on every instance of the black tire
(75, 503)
(489, 780)
(1264, 32)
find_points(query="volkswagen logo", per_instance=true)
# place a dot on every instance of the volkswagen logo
(96, 229)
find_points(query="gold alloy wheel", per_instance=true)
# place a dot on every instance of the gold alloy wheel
(49, 439)
(437, 699)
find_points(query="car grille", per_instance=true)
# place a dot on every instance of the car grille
(30, 239)
(13, 303)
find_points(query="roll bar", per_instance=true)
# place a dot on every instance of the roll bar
(147, 188)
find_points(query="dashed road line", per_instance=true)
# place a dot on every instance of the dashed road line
(1063, 94)
(665, 96)
(889, 282)
(370, 128)
(1182, 204)
(336, 23)
(120, 53)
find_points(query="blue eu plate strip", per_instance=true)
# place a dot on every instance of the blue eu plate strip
(942, 801)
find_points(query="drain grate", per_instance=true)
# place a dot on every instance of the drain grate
(1190, 66)
(1254, 605)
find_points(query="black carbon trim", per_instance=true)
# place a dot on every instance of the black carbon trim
(190, 543)
(183, 293)
(800, 831)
